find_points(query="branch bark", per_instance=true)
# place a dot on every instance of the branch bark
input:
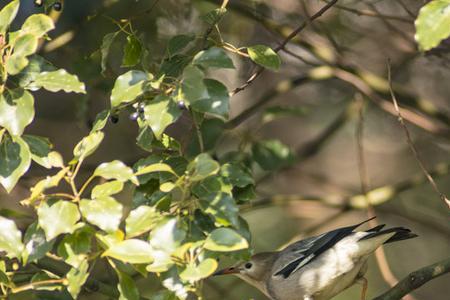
(415, 280)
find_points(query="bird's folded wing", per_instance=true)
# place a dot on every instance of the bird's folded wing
(299, 254)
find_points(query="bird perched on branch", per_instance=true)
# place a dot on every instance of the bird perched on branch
(319, 267)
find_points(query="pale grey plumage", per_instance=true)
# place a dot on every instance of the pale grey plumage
(317, 268)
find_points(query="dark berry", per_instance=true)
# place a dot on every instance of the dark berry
(57, 6)
(134, 116)
(38, 3)
(181, 105)
(114, 119)
(141, 108)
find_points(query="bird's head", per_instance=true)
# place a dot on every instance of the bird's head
(255, 271)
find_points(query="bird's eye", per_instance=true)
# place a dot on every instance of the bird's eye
(248, 265)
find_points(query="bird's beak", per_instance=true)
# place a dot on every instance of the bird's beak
(227, 271)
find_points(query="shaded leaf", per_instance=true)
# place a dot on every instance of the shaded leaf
(192, 86)
(36, 246)
(131, 52)
(16, 110)
(213, 17)
(128, 87)
(433, 24)
(178, 43)
(76, 278)
(15, 159)
(127, 288)
(107, 41)
(225, 240)
(105, 212)
(37, 64)
(217, 102)
(41, 153)
(61, 217)
(237, 174)
(10, 238)
(222, 207)
(202, 166)
(264, 56)
(214, 57)
(160, 113)
(132, 251)
(272, 154)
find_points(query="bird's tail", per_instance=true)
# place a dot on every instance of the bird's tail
(400, 233)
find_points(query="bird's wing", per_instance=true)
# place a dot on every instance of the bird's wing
(301, 253)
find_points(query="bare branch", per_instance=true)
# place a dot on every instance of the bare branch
(411, 144)
(415, 280)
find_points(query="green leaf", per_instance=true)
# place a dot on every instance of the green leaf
(272, 154)
(61, 217)
(7, 15)
(107, 41)
(126, 286)
(131, 251)
(140, 220)
(158, 167)
(222, 207)
(213, 17)
(41, 186)
(178, 43)
(433, 24)
(10, 238)
(15, 159)
(76, 278)
(225, 240)
(74, 248)
(100, 120)
(173, 66)
(172, 282)
(211, 130)
(88, 145)
(192, 86)
(36, 65)
(131, 52)
(163, 295)
(217, 102)
(24, 45)
(104, 212)
(264, 56)
(107, 189)
(275, 112)
(165, 239)
(214, 57)
(238, 175)
(160, 113)
(129, 86)
(38, 25)
(193, 273)
(58, 80)
(211, 185)
(36, 246)
(115, 170)
(145, 138)
(16, 110)
(41, 153)
(202, 166)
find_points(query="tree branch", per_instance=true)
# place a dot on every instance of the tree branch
(415, 280)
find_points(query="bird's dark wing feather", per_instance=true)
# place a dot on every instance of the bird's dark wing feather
(303, 252)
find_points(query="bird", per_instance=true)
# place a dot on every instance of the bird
(318, 267)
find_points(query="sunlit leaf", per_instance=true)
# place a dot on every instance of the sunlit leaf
(264, 56)
(74, 248)
(195, 273)
(10, 238)
(129, 86)
(237, 174)
(61, 217)
(160, 113)
(105, 212)
(142, 219)
(76, 278)
(7, 15)
(115, 170)
(217, 102)
(36, 246)
(41, 151)
(158, 167)
(38, 25)
(225, 240)
(41, 186)
(58, 80)
(88, 145)
(107, 189)
(132, 251)
(15, 159)
(192, 85)
(203, 166)
(16, 110)
(433, 24)
(222, 207)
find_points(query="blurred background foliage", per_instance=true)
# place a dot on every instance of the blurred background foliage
(310, 104)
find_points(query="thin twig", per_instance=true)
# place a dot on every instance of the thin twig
(410, 142)
(380, 255)
(260, 70)
(415, 280)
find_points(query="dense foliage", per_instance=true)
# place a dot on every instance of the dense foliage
(185, 206)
